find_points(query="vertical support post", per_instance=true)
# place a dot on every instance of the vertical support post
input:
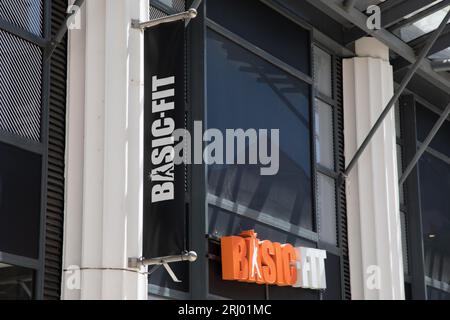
(103, 225)
(374, 233)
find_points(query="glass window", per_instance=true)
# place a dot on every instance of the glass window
(333, 272)
(26, 14)
(403, 225)
(177, 5)
(20, 194)
(252, 93)
(323, 72)
(426, 119)
(435, 201)
(264, 27)
(324, 134)
(20, 85)
(326, 207)
(16, 283)
(224, 223)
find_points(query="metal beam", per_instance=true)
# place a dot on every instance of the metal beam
(392, 12)
(425, 144)
(395, 14)
(189, 14)
(394, 99)
(441, 65)
(441, 81)
(441, 44)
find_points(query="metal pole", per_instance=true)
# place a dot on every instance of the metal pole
(191, 13)
(195, 6)
(62, 30)
(394, 99)
(190, 256)
(425, 144)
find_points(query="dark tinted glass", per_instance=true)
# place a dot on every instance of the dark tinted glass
(332, 270)
(225, 223)
(16, 283)
(20, 192)
(246, 92)
(264, 27)
(426, 119)
(436, 294)
(435, 200)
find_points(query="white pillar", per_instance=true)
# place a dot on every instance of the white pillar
(374, 232)
(103, 222)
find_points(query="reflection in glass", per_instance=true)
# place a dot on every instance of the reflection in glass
(324, 134)
(422, 26)
(16, 283)
(246, 92)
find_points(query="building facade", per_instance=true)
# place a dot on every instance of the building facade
(72, 148)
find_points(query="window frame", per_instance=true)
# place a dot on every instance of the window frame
(197, 174)
(37, 147)
(409, 142)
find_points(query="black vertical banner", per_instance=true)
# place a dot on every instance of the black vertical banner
(164, 209)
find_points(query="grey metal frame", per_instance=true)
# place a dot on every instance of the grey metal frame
(198, 226)
(412, 70)
(40, 148)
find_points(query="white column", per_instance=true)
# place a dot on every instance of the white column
(374, 232)
(103, 223)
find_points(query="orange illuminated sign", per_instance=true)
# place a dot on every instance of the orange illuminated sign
(246, 258)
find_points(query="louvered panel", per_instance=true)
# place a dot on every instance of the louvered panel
(26, 14)
(155, 13)
(341, 191)
(56, 152)
(20, 85)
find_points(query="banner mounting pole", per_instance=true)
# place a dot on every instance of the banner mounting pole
(186, 15)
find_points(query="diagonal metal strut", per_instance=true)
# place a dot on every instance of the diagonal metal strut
(425, 144)
(62, 31)
(412, 70)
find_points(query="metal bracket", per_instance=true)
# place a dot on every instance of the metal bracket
(136, 263)
(186, 15)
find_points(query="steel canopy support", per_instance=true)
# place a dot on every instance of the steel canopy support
(441, 81)
(425, 144)
(189, 14)
(401, 48)
(412, 70)
(62, 31)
